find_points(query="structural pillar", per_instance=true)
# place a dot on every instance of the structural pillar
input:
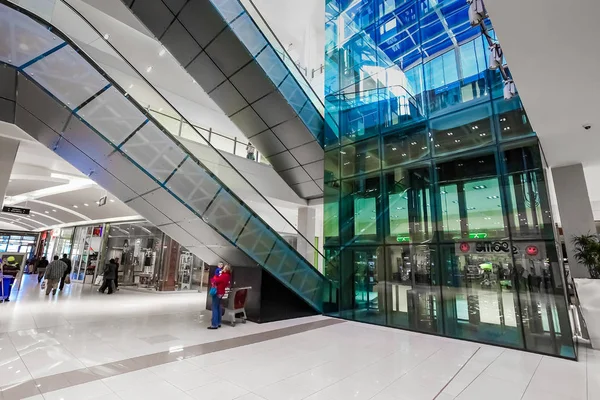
(576, 215)
(8, 154)
(306, 227)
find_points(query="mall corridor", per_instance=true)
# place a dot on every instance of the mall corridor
(131, 345)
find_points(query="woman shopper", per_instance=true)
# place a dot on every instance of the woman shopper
(219, 285)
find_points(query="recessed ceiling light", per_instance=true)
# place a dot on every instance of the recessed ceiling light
(47, 212)
(53, 210)
(106, 36)
(112, 200)
(130, 86)
(149, 69)
(86, 204)
(75, 206)
(160, 109)
(162, 52)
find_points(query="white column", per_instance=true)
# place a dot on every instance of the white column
(306, 226)
(576, 215)
(8, 154)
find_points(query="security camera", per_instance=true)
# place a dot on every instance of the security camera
(587, 127)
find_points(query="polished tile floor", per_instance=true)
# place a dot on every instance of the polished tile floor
(82, 345)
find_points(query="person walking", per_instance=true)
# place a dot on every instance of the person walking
(117, 274)
(219, 285)
(54, 271)
(68, 263)
(40, 268)
(110, 272)
(250, 151)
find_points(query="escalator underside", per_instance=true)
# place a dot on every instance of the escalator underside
(62, 99)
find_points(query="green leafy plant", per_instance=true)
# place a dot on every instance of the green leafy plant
(587, 252)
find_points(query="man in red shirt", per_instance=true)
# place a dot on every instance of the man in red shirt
(220, 282)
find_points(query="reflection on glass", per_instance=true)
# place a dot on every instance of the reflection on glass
(360, 157)
(360, 209)
(412, 291)
(528, 203)
(462, 130)
(363, 285)
(479, 292)
(331, 211)
(470, 199)
(408, 205)
(512, 119)
(405, 146)
(542, 294)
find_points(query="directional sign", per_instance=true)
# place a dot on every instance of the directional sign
(15, 210)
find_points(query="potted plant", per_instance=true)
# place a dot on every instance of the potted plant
(587, 252)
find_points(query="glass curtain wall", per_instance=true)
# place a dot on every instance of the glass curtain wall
(436, 214)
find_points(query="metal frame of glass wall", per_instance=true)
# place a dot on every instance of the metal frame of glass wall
(436, 214)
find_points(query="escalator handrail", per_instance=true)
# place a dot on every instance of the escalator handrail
(320, 107)
(145, 112)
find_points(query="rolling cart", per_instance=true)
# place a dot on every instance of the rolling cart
(236, 303)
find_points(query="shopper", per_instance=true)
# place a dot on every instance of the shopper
(110, 272)
(68, 263)
(54, 272)
(220, 284)
(40, 268)
(219, 268)
(117, 274)
(250, 151)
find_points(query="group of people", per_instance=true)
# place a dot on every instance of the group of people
(56, 273)
(219, 284)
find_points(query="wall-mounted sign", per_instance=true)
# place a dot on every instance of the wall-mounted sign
(102, 201)
(15, 210)
(402, 239)
(480, 235)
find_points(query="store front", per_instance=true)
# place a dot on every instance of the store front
(18, 242)
(150, 260)
(85, 255)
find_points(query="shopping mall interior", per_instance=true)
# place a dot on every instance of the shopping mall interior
(287, 200)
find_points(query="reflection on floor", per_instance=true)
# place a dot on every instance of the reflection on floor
(71, 335)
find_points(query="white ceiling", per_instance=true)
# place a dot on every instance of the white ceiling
(550, 48)
(63, 190)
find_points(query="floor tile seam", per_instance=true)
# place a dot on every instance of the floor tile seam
(532, 376)
(480, 374)
(24, 364)
(407, 372)
(457, 372)
(96, 376)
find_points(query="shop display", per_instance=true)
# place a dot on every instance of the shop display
(185, 270)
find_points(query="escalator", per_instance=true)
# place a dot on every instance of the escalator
(58, 95)
(229, 49)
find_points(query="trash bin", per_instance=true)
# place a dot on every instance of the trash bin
(7, 283)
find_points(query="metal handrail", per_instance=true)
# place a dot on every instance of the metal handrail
(257, 17)
(211, 134)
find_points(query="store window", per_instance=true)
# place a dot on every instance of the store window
(137, 246)
(85, 256)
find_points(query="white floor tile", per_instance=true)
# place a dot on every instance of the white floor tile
(220, 390)
(86, 391)
(153, 391)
